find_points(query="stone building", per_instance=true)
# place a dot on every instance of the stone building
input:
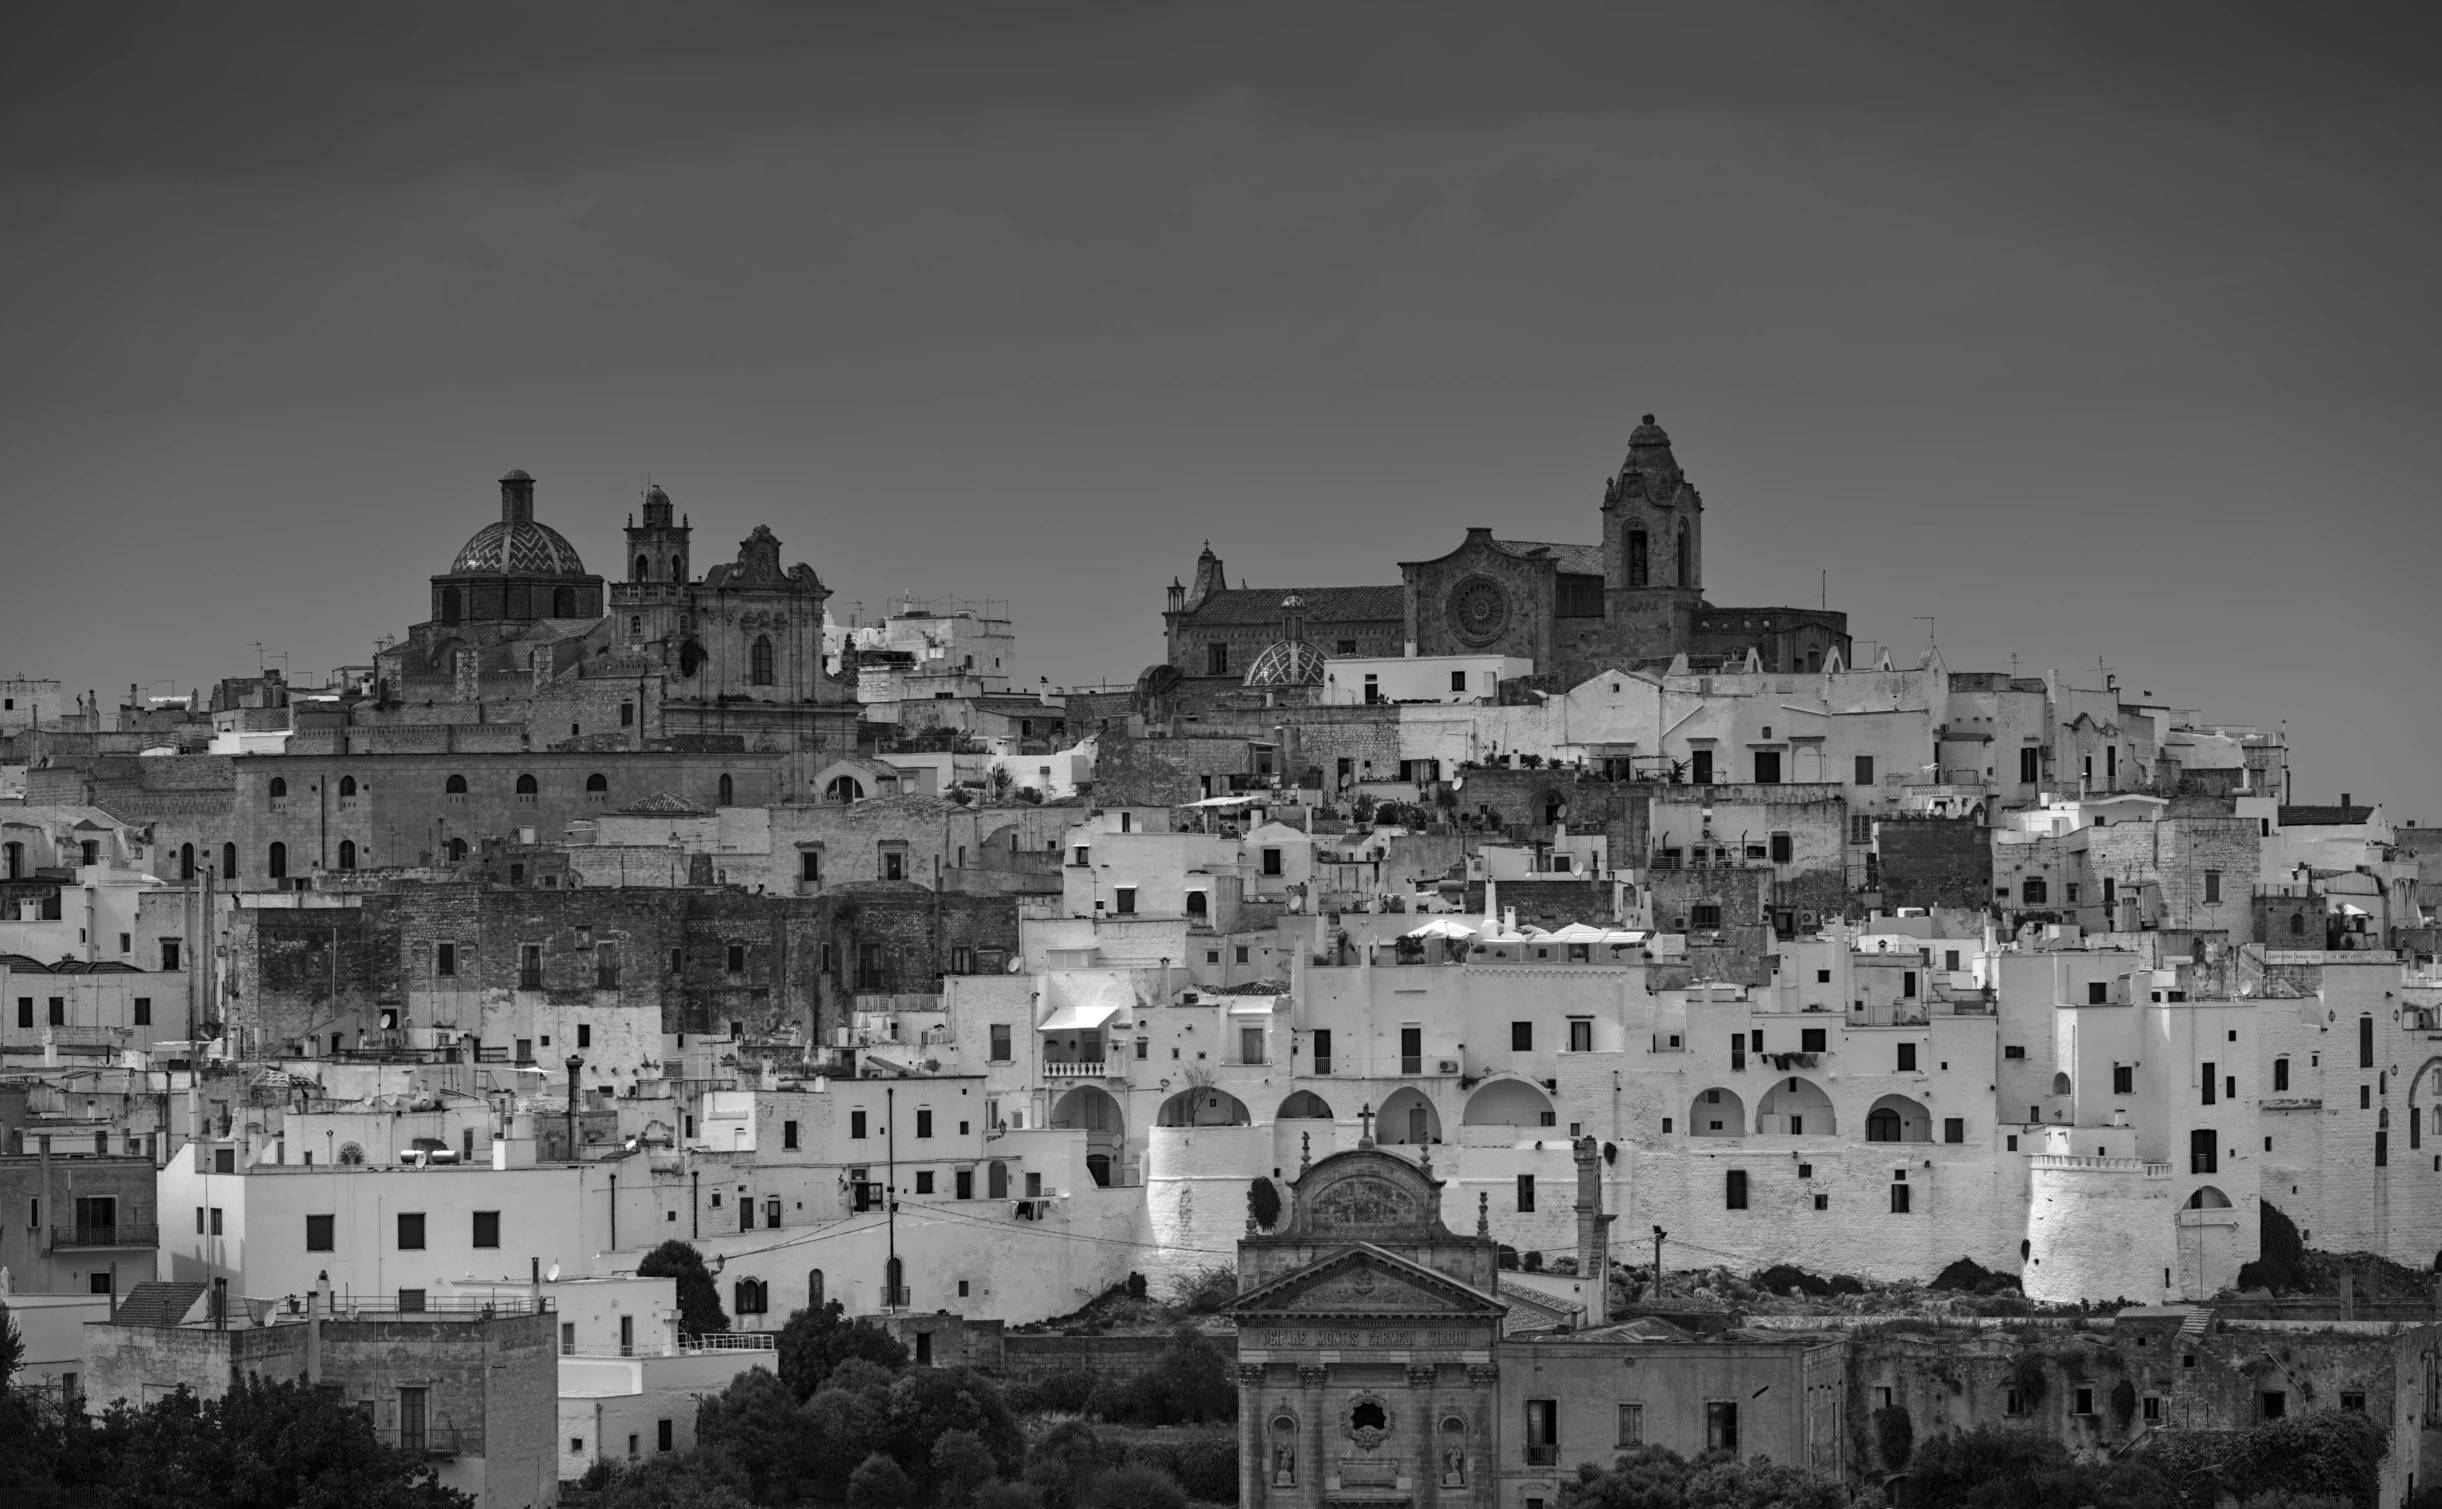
(1637, 597)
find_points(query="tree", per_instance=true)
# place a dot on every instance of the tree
(1060, 1462)
(1190, 1381)
(879, 1483)
(961, 1464)
(820, 1338)
(699, 1300)
(29, 1445)
(1007, 1495)
(1130, 1487)
(1986, 1468)
(752, 1429)
(843, 1426)
(671, 1482)
(1655, 1477)
(1263, 1202)
(1894, 1435)
(262, 1443)
(928, 1403)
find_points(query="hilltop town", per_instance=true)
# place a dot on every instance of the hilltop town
(1463, 1025)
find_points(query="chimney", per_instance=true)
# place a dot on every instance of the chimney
(2344, 799)
(517, 498)
(1593, 1229)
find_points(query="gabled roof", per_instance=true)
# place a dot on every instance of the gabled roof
(1319, 605)
(157, 1302)
(1362, 1279)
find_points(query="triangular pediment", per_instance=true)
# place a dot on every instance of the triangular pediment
(1364, 1280)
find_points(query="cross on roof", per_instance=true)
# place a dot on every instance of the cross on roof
(1365, 1125)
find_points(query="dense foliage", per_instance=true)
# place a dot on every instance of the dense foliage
(699, 1299)
(1986, 1468)
(1655, 1477)
(818, 1339)
(260, 1445)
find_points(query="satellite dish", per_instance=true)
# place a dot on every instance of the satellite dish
(554, 1274)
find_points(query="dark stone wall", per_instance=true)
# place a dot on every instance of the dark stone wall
(1934, 861)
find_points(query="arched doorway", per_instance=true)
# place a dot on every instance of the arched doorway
(1303, 1105)
(1203, 1107)
(1896, 1118)
(1796, 1107)
(1509, 1103)
(1717, 1113)
(186, 862)
(1091, 1110)
(814, 1289)
(1407, 1118)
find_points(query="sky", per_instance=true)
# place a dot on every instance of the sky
(2074, 336)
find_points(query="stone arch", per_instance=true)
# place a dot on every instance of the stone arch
(2061, 1084)
(1717, 1112)
(528, 786)
(844, 788)
(729, 790)
(347, 785)
(1896, 1118)
(1796, 1107)
(276, 865)
(597, 784)
(186, 862)
(278, 790)
(457, 849)
(996, 1180)
(1303, 1105)
(2208, 1198)
(1201, 1106)
(454, 786)
(1508, 1102)
(1407, 1117)
(1090, 1109)
(643, 569)
(347, 854)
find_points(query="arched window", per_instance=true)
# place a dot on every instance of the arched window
(814, 1289)
(894, 1280)
(677, 573)
(276, 865)
(2297, 922)
(596, 784)
(186, 861)
(1882, 1125)
(752, 1296)
(526, 786)
(228, 861)
(996, 1181)
(563, 602)
(278, 789)
(457, 848)
(454, 786)
(1686, 578)
(347, 785)
(450, 612)
(729, 792)
(642, 569)
(761, 674)
(1640, 567)
(347, 854)
(2060, 1084)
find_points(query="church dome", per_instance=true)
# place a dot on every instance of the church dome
(524, 547)
(1291, 662)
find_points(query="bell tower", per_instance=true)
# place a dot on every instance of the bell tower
(657, 548)
(1653, 549)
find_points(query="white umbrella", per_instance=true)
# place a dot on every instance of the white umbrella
(1443, 927)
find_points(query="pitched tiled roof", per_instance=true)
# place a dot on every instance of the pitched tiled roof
(2323, 817)
(156, 1302)
(1580, 560)
(1320, 605)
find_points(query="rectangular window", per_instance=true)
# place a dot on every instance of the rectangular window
(319, 1236)
(144, 1011)
(1631, 1425)
(1767, 767)
(59, 1011)
(1216, 660)
(1411, 1051)
(1000, 1042)
(964, 1184)
(2111, 892)
(2365, 1042)
(1814, 1040)
(1542, 1432)
(1734, 1194)
(530, 967)
(1701, 766)
(2123, 1079)
(411, 1231)
(1250, 1045)
(585, 1035)
(2205, 1082)
(1581, 1035)
(1907, 1058)
(2084, 1403)
(1954, 1129)
(2153, 1408)
(737, 958)
(1704, 915)
(411, 1400)
(788, 1134)
(1721, 1426)
(445, 958)
(1271, 861)
(924, 1123)
(2203, 1152)
(1322, 1050)
(924, 1181)
(2030, 765)
(1781, 849)
(2274, 1405)
(487, 1228)
(1521, 1037)
(2213, 886)
(856, 1125)
(2098, 992)
(1123, 900)
(2280, 1076)
(25, 1011)
(1865, 770)
(1526, 1193)
(169, 954)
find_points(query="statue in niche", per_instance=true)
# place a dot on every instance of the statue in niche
(1453, 1452)
(1284, 1452)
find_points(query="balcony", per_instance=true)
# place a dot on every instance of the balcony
(123, 1234)
(433, 1440)
(1086, 1068)
(1542, 1456)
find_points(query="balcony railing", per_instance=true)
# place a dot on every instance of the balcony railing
(123, 1234)
(732, 1341)
(1089, 1068)
(1542, 1456)
(433, 1440)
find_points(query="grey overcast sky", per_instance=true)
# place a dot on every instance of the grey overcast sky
(2098, 333)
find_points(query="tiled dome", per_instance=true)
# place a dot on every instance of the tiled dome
(525, 547)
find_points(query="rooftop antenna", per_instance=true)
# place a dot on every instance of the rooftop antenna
(258, 656)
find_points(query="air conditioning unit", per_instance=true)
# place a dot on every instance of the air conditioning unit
(1448, 1066)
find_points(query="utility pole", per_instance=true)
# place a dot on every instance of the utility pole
(1658, 1235)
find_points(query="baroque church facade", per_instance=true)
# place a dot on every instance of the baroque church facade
(1637, 599)
(522, 634)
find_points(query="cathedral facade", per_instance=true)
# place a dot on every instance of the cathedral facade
(1635, 599)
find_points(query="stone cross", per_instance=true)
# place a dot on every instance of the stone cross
(1365, 1125)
